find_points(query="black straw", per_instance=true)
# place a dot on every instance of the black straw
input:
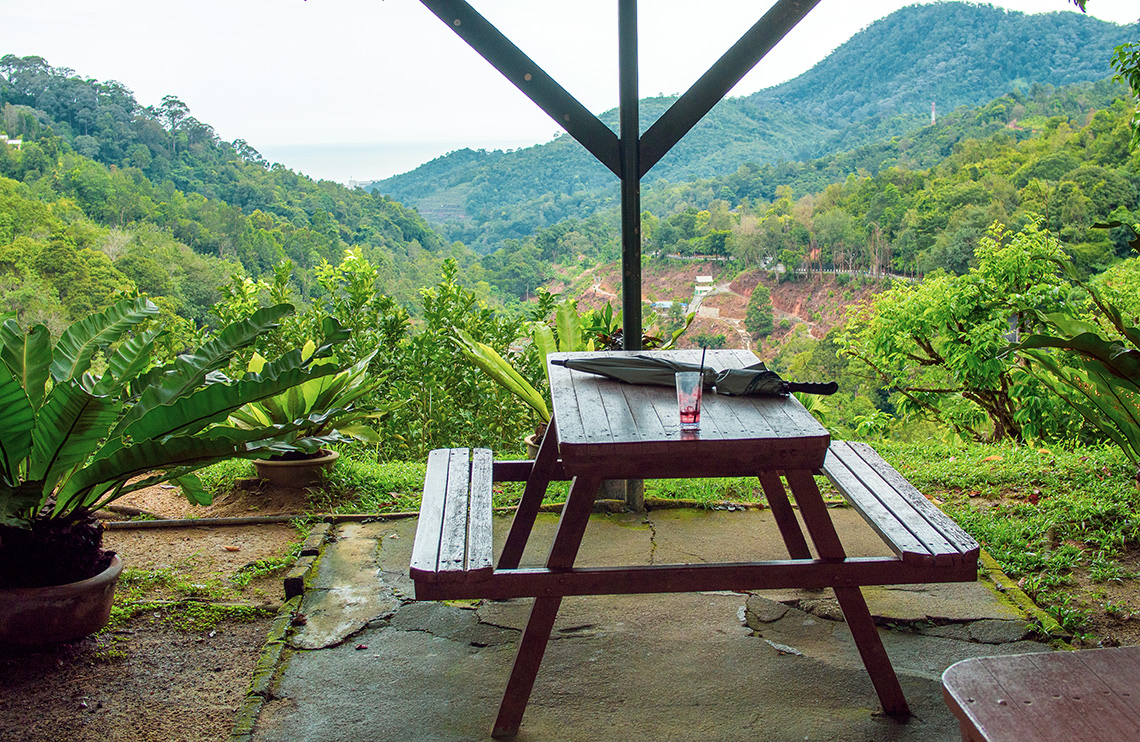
(703, 349)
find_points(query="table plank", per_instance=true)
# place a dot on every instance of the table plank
(971, 690)
(1073, 679)
(784, 414)
(1050, 696)
(1119, 670)
(652, 414)
(1032, 686)
(588, 395)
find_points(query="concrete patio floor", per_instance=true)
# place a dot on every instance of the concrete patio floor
(370, 663)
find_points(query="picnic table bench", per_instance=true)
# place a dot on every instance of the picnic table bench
(605, 430)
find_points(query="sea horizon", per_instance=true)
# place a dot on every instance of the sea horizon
(353, 163)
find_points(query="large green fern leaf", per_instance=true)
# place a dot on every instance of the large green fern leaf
(69, 428)
(28, 356)
(17, 419)
(73, 352)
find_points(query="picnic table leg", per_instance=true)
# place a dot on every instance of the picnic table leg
(571, 527)
(785, 517)
(851, 600)
(533, 493)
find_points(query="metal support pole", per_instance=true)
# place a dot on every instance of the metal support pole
(629, 149)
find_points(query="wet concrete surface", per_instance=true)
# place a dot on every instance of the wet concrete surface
(370, 663)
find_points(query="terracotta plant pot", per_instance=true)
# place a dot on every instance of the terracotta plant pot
(532, 442)
(60, 613)
(296, 473)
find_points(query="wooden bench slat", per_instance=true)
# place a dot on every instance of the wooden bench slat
(951, 531)
(479, 551)
(943, 551)
(425, 549)
(453, 537)
(909, 523)
(878, 516)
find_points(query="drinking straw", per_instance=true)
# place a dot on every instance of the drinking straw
(703, 349)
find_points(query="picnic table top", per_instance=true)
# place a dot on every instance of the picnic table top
(634, 430)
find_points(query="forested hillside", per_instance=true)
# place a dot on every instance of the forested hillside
(105, 195)
(878, 85)
(152, 198)
(908, 217)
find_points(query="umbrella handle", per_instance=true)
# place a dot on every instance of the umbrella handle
(809, 387)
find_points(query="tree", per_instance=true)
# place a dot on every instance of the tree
(758, 319)
(939, 344)
(172, 112)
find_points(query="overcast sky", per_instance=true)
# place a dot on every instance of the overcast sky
(367, 88)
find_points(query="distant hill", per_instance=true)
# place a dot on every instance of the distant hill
(124, 165)
(877, 85)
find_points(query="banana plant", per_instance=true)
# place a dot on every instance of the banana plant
(73, 440)
(573, 331)
(503, 373)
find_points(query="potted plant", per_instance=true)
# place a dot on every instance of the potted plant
(74, 440)
(326, 410)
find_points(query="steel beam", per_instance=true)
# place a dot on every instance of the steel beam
(706, 92)
(528, 77)
(630, 149)
(628, 156)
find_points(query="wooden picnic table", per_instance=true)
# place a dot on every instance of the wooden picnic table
(602, 429)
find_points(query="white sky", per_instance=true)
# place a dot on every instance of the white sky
(310, 82)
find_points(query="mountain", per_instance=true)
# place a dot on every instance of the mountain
(130, 168)
(877, 85)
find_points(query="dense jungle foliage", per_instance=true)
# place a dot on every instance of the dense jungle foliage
(104, 198)
(90, 150)
(894, 216)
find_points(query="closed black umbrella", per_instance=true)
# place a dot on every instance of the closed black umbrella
(752, 381)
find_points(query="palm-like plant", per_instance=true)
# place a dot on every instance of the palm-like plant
(572, 332)
(73, 441)
(1097, 372)
(327, 409)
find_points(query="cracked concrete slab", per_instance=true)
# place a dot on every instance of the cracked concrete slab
(346, 592)
(665, 667)
(985, 631)
(451, 622)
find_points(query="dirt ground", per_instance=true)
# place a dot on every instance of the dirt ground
(818, 303)
(252, 500)
(165, 673)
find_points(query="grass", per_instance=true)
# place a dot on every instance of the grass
(1063, 522)
(361, 484)
(1057, 520)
